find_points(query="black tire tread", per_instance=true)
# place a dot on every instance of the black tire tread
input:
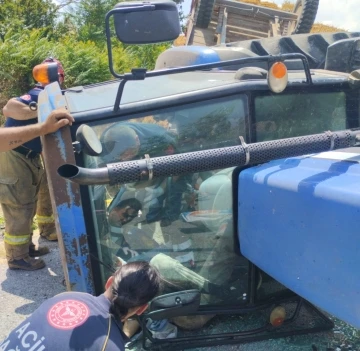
(307, 17)
(204, 15)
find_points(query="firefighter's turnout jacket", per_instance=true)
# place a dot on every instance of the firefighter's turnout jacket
(23, 184)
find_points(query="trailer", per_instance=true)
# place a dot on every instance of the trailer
(225, 21)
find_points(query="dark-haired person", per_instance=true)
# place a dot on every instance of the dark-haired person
(80, 321)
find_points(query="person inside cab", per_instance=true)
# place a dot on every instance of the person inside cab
(125, 141)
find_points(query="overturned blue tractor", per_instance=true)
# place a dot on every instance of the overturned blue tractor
(235, 172)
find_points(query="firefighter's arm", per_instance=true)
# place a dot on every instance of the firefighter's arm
(18, 110)
(11, 138)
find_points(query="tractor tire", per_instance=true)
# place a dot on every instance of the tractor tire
(307, 10)
(204, 15)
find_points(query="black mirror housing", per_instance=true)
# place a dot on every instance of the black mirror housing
(146, 22)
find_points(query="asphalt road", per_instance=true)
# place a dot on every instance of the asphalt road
(22, 292)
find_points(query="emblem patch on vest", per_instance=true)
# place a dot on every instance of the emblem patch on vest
(26, 97)
(68, 314)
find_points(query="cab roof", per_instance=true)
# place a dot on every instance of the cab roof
(102, 95)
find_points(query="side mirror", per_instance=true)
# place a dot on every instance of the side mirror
(146, 22)
(88, 140)
(142, 23)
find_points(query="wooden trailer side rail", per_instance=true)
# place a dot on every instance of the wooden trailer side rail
(235, 21)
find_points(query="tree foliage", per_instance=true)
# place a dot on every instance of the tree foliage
(72, 31)
(19, 14)
(90, 19)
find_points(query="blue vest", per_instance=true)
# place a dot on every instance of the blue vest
(68, 321)
(31, 96)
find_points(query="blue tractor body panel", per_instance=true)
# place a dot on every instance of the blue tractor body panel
(299, 222)
(186, 56)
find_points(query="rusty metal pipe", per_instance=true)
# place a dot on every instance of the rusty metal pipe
(84, 176)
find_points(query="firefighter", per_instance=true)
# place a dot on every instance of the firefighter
(12, 138)
(80, 321)
(21, 178)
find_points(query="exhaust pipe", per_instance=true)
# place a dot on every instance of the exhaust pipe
(84, 176)
(208, 160)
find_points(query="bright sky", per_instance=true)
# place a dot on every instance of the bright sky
(340, 13)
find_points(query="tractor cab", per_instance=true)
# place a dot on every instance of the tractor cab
(159, 165)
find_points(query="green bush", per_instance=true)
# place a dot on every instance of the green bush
(33, 30)
(84, 62)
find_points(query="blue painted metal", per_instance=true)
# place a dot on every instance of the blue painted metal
(200, 54)
(193, 55)
(299, 222)
(67, 207)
